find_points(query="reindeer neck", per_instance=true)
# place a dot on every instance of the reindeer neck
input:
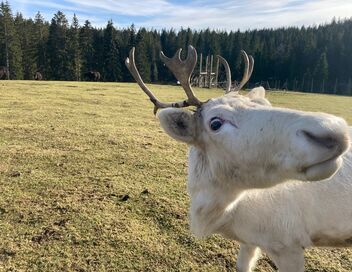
(211, 195)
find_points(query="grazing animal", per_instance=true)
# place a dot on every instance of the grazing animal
(4, 72)
(38, 76)
(92, 76)
(242, 154)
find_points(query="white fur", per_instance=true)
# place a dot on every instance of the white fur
(231, 170)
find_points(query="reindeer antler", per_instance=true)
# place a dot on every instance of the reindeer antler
(248, 70)
(182, 71)
(228, 73)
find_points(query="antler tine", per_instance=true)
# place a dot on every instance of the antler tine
(228, 73)
(131, 65)
(248, 69)
(251, 66)
(182, 70)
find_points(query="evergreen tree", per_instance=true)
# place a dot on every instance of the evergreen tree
(143, 55)
(98, 47)
(127, 41)
(112, 68)
(10, 43)
(41, 32)
(317, 58)
(25, 30)
(74, 51)
(321, 69)
(86, 39)
(57, 55)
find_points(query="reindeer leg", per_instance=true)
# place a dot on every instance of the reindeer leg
(289, 259)
(247, 258)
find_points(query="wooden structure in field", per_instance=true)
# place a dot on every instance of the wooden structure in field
(207, 78)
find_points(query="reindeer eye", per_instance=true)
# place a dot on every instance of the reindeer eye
(215, 123)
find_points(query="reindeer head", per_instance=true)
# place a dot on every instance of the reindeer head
(242, 138)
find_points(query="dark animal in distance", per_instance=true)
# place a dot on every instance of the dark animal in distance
(92, 76)
(4, 73)
(38, 76)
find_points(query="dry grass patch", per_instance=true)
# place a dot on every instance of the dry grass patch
(89, 182)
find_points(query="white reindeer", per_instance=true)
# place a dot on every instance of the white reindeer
(239, 147)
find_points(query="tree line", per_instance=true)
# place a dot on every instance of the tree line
(314, 59)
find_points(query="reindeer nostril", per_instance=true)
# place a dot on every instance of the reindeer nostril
(325, 141)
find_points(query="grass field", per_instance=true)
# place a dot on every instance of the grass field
(89, 182)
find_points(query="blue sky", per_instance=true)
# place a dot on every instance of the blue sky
(196, 14)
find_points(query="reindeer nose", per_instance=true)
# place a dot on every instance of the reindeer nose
(325, 141)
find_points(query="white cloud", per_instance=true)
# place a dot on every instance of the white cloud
(199, 14)
(126, 7)
(232, 15)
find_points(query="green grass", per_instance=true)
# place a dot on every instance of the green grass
(70, 153)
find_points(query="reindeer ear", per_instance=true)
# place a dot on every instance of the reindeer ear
(257, 95)
(258, 92)
(179, 124)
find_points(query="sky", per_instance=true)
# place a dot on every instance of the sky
(196, 14)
